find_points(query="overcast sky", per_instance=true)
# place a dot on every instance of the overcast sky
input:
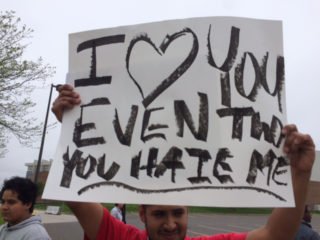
(52, 21)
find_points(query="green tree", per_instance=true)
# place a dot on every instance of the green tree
(18, 79)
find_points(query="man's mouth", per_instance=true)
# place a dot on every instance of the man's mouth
(3, 214)
(169, 235)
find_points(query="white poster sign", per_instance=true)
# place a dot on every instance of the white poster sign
(183, 112)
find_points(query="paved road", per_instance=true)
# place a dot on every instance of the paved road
(65, 227)
(62, 227)
(64, 231)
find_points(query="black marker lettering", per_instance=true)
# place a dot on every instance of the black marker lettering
(135, 165)
(125, 139)
(279, 81)
(232, 52)
(145, 123)
(221, 157)
(203, 156)
(80, 127)
(258, 162)
(81, 165)
(152, 161)
(111, 172)
(282, 162)
(69, 165)
(238, 114)
(259, 72)
(170, 161)
(93, 43)
(183, 114)
(227, 65)
(257, 127)
(225, 89)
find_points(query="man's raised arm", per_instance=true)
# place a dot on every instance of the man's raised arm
(89, 215)
(284, 222)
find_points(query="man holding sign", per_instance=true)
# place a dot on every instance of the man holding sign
(175, 109)
(170, 222)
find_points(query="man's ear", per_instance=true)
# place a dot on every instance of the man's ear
(28, 205)
(142, 213)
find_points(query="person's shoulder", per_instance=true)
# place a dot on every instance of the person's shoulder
(306, 232)
(2, 226)
(38, 232)
(35, 228)
(315, 235)
(37, 235)
(31, 231)
(113, 209)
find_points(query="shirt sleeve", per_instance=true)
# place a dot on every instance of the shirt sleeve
(113, 229)
(234, 236)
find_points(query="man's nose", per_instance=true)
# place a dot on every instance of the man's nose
(3, 206)
(170, 223)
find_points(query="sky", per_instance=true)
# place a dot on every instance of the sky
(52, 21)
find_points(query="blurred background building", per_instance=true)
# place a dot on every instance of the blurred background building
(43, 170)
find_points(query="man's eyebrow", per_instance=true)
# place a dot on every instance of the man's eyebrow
(158, 210)
(178, 210)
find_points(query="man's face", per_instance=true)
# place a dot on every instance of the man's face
(13, 210)
(165, 222)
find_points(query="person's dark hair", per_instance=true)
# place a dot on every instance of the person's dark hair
(307, 214)
(25, 188)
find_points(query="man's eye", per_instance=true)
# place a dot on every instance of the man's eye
(178, 212)
(158, 214)
(11, 202)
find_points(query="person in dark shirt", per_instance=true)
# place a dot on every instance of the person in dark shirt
(305, 231)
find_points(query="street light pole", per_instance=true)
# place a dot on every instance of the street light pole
(43, 135)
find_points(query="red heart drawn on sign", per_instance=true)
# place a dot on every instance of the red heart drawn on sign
(175, 75)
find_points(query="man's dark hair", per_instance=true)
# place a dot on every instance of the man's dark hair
(25, 189)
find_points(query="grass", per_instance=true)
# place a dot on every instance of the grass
(134, 208)
(230, 210)
(63, 207)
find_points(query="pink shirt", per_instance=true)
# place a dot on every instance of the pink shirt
(113, 229)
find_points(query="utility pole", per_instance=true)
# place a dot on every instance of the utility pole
(43, 135)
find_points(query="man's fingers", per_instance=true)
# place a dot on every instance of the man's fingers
(296, 141)
(65, 102)
(289, 129)
(68, 93)
(67, 87)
